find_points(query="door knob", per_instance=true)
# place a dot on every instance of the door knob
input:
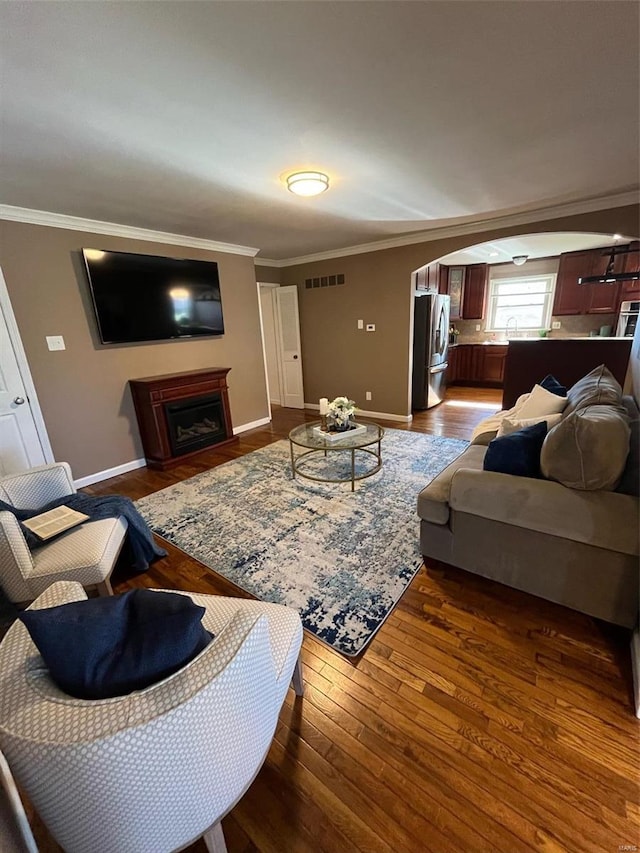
(18, 400)
(295, 357)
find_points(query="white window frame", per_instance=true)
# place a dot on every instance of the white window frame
(492, 301)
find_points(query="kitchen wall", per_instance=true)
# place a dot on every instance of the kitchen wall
(340, 359)
(83, 390)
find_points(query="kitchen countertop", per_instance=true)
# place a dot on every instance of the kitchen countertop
(537, 340)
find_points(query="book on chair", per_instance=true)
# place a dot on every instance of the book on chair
(54, 521)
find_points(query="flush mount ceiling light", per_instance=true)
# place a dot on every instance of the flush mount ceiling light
(518, 260)
(307, 183)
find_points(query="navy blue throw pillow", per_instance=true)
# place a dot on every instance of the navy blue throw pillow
(551, 384)
(517, 453)
(104, 647)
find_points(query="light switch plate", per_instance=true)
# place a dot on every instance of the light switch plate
(361, 324)
(55, 342)
(367, 395)
(371, 327)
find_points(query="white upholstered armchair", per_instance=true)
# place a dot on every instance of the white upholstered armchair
(86, 554)
(152, 771)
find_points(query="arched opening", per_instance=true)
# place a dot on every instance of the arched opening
(528, 286)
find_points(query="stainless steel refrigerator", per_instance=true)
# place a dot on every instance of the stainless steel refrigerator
(430, 349)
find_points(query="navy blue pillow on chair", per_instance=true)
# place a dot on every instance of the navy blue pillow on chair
(517, 453)
(104, 647)
(551, 384)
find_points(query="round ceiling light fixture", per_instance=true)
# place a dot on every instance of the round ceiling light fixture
(308, 183)
(518, 260)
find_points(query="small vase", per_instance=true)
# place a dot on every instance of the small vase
(343, 426)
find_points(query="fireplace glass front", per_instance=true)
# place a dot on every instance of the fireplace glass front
(195, 423)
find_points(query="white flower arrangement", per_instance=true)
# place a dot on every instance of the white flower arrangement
(341, 410)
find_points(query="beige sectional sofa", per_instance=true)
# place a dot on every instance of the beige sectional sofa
(577, 546)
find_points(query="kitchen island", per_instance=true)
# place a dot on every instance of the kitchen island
(568, 359)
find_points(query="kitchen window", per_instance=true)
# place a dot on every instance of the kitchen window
(520, 304)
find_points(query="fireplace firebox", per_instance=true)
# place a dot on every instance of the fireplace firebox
(195, 423)
(181, 414)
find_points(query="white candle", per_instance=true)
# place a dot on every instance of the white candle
(324, 406)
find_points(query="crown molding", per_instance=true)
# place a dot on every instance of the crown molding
(573, 208)
(113, 229)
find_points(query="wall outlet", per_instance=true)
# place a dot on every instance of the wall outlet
(367, 395)
(478, 327)
(556, 324)
(371, 327)
(361, 324)
(55, 342)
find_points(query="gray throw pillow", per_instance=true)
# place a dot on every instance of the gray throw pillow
(588, 449)
(597, 388)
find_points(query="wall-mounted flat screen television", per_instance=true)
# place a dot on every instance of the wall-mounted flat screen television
(146, 298)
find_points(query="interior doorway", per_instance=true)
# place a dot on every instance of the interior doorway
(23, 437)
(281, 344)
(270, 344)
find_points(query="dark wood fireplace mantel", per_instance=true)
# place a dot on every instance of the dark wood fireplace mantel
(152, 396)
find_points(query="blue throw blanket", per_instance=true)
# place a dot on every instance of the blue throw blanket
(141, 542)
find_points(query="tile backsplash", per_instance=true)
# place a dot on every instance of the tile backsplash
(572, 327)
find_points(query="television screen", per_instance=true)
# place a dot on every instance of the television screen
(145, 298)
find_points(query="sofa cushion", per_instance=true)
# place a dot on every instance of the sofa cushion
(433, 500)
(597, 388)
(606, 520)
(541, 402)
(517, 453)
(105, 647)
(588, 449)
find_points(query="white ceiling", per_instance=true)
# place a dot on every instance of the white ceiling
(532, 245)
(185, 116)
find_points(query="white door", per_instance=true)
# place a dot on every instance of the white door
(20, 446)
(270, 342)
(288, 327)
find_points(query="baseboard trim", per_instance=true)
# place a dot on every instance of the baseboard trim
(99, 476)
(383, 416)
(109, 472)
(253, 425)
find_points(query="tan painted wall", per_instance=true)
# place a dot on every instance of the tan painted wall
(268, 275)
(339, 359)
(83, 390)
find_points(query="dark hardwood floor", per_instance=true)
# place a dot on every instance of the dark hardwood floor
(478, 719)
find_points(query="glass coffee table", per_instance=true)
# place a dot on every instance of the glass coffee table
(306, 436)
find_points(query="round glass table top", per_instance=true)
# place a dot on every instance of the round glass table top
(307, 435)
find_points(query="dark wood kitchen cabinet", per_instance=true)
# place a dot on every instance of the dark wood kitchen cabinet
(475, 288)
(477, 364)
(570, 296)
(631, 289)
(493, 361)
(573, 298)
(603, 298)
(443, 279)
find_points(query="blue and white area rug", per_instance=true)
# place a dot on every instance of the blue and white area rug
(341, 558)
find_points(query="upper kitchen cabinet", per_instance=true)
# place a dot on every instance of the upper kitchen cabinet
(475, 288)
(570, 297)
(432, 277)
(455, 289)
(443, 279)
(631, 289)
(574, 298)
(604, 298)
